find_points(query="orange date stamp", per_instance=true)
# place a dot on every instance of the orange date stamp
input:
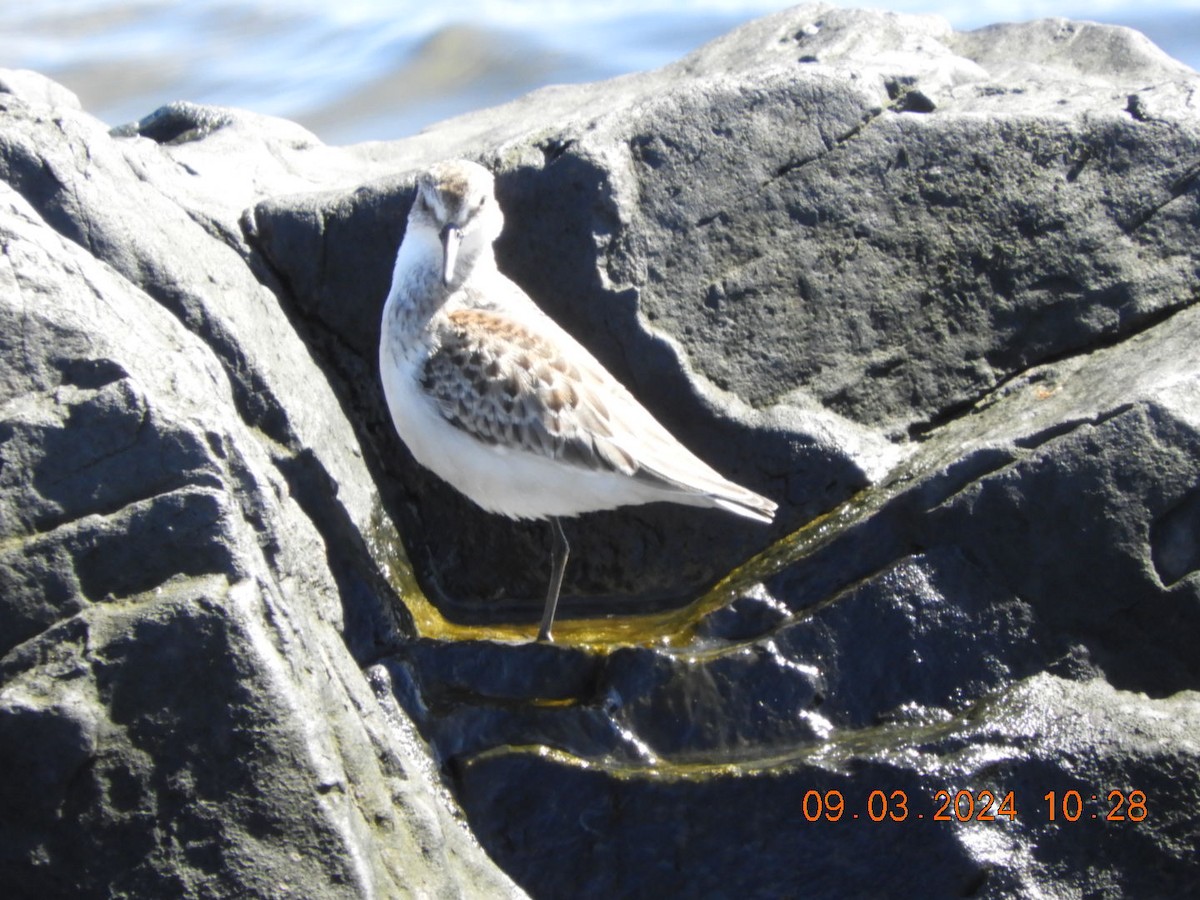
(1115, 805)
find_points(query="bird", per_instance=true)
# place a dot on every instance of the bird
(493, 396)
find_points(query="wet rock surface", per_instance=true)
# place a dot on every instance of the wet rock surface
(181, 507)
(934, 292)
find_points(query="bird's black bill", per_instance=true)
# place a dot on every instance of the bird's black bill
(451, 237)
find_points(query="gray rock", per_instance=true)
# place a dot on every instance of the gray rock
(934, 292)
(36, 87)
(863, 814)
(181, 710)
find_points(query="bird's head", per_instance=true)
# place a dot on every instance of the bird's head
(456, 201)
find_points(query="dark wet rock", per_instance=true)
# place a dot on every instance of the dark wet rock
(864, 814)
(934, 292)
(181, 518)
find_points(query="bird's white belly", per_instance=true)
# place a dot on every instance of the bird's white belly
(501, 479)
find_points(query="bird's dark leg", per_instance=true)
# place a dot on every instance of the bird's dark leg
(559, 552)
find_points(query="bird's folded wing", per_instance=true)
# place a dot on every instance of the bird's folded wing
(526, 385)
(504, 383)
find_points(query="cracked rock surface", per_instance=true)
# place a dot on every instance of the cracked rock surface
(934, 292)
(180, 503)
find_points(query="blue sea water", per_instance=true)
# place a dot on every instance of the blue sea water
(354, 70)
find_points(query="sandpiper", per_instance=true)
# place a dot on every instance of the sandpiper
(494, 397)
